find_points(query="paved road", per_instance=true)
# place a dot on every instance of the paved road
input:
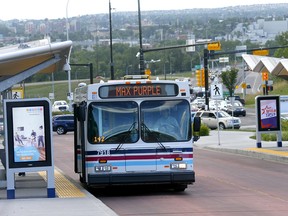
(226, 184)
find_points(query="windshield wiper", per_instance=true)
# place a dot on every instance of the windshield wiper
(128, 132)
(153, 135)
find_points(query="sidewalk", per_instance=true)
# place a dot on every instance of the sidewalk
(239, 142)
(31, 198)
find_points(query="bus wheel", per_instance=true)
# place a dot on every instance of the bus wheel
(180, 187)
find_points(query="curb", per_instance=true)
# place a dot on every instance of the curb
(252, 153)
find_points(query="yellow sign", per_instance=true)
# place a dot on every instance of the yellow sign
(261, 52)
(17, 93)
(244, 85)
(214, 46)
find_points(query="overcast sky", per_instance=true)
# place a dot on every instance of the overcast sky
(53, 9)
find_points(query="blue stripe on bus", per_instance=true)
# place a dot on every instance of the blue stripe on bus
(139, 163)
(143, 151)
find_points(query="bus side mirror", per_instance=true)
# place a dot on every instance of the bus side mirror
(196, 124)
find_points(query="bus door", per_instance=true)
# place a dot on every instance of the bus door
(79, 140)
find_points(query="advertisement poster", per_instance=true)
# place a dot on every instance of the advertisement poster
(28, 133)
(268, 114)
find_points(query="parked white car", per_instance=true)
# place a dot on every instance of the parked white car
(60, 106)
(224, 121)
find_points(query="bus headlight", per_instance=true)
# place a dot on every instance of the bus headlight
(103, 168)
(178, 166)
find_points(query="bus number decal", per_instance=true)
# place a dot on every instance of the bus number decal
(103, 152)
(99, 139)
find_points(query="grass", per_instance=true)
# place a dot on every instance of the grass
(43, 90)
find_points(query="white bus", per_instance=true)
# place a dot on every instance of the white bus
(134, 132)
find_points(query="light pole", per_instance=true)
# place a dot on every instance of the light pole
(127, 69)
(67, 23)
(67, 68)
(111, 46)
(141, 53)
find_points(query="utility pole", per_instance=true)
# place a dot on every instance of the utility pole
(206, 78)
(141, 56)
(111, 46)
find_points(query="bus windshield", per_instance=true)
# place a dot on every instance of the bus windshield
(118, 122)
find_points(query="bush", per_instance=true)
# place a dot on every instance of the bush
(204, 130)
(273, 136)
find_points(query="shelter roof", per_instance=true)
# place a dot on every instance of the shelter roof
(18, 62)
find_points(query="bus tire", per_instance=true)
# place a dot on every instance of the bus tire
(81, 179)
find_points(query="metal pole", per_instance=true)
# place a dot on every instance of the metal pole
(111, 46)
(67, 24)
(141, 57)
(91, 73)
(206, 78)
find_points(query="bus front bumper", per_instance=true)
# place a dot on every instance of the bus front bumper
(187, 177)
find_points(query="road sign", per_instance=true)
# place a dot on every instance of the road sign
(261, 52)
(214, 46)
(244, 85)
(223, 59)
(216, 91)
(17, 93)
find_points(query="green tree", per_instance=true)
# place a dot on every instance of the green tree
(282, 40)
(229, 79)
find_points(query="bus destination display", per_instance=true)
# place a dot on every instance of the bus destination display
(141, 90)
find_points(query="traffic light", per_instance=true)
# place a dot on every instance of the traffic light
(265, 76)
(148, 73)
(202, 77)
(198, 77)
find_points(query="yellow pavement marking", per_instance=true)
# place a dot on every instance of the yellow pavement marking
(268, 151)
(64, 188)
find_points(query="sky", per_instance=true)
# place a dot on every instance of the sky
(54, 9)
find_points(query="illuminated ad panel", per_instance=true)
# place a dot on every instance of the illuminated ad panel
(268, 113)
(29, 133)
(28, 128)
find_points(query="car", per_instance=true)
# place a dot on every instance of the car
(192, 115)
(60, 105)
(238, 98)
(225, 121)
(198, 102)
(1, 128)
(284, 116)
(63, 123)
(236, 109)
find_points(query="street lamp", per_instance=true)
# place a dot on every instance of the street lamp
(111, 49)
(67, 23)
(127, 69)
(67, 68)
(141, 54)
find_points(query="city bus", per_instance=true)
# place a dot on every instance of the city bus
(134, 131)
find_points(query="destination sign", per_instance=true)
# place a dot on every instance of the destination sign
(139, 90)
